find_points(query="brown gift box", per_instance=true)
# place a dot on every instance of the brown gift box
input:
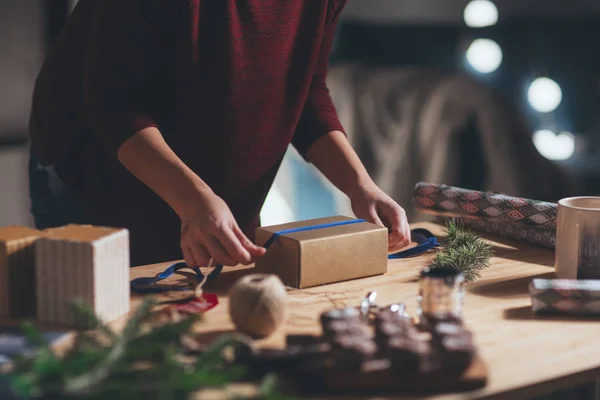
(326, 255)
(17, 272)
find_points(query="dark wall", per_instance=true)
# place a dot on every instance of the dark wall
(564, 49)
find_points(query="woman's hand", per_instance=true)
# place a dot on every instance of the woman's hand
(372, 204)
(209, 231)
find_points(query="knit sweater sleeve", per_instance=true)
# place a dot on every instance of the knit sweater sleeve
(124, 53)
(319, 115)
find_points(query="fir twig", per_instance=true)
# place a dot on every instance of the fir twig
(86, 381)
(136, 364)
(464, 251)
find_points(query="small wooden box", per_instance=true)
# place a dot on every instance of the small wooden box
(17, 272)
(325, 255)
(82, 262)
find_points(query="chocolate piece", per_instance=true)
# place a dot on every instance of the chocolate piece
(405, 354)
(351, 352)
(386, 315)
(421, 336)
(392, 314)
(337, 314)
(430, 361)
(445, 329)
(389, 329)
(343, 328)
(457, 353)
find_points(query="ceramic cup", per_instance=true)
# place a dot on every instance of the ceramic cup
(577, 254)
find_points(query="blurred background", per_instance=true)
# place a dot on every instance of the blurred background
(491, 95)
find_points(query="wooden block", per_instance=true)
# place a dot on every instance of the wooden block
(82, 262)
(17, 272)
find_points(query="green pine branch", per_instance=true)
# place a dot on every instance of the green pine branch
(463, 251)
(135, 364)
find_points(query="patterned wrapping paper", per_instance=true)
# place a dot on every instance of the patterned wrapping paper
(565, 296)
(543, 237)
(520, 219)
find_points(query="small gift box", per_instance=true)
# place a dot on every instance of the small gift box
(82, 262)
(565, 296)
(322, 251)
(17, 271)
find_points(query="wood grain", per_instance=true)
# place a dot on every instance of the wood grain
(525, 355)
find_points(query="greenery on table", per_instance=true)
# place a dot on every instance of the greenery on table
(142, 362)
(464, 251)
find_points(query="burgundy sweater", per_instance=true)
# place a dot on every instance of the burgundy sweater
(229, 83)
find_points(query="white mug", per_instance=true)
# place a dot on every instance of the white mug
(577, 254)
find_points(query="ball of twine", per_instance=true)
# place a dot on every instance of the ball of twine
(257, 305)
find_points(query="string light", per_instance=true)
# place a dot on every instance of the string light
(553, 146)
(544, 95)
(480, 13)
(484, 55)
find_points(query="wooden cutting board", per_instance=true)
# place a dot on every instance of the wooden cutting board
(377, 378)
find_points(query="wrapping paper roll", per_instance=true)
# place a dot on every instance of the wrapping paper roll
(544, 237)
(524, 220)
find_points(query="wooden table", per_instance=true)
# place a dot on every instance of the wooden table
(526, 355)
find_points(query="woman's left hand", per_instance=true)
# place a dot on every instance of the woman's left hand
(372, 204)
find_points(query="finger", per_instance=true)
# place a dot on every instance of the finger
(187, 255)
(218, 252)
(254, 250)
(234, 248)
(201, 255)
(401, 226)
(374, 216)
(395, 241)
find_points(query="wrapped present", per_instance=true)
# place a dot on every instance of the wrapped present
(88, 263)
(322, 251)
(565, 296)
(17, 272)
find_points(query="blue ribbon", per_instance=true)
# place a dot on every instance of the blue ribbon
(425, 239)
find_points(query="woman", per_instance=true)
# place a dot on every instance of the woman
(171, 117)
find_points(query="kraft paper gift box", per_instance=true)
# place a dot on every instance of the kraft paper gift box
(82, 262)
(326, 255)
(565, 296)
(17, 272)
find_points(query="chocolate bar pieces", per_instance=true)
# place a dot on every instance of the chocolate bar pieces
(457, 353)
(348, 314)
(436, 343)
(350, 352)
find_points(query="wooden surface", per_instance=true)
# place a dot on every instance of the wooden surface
(525, 355)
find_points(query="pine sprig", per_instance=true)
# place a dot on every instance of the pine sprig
(138, 363)
(463, 251)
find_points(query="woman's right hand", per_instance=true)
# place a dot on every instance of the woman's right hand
(209, 231)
